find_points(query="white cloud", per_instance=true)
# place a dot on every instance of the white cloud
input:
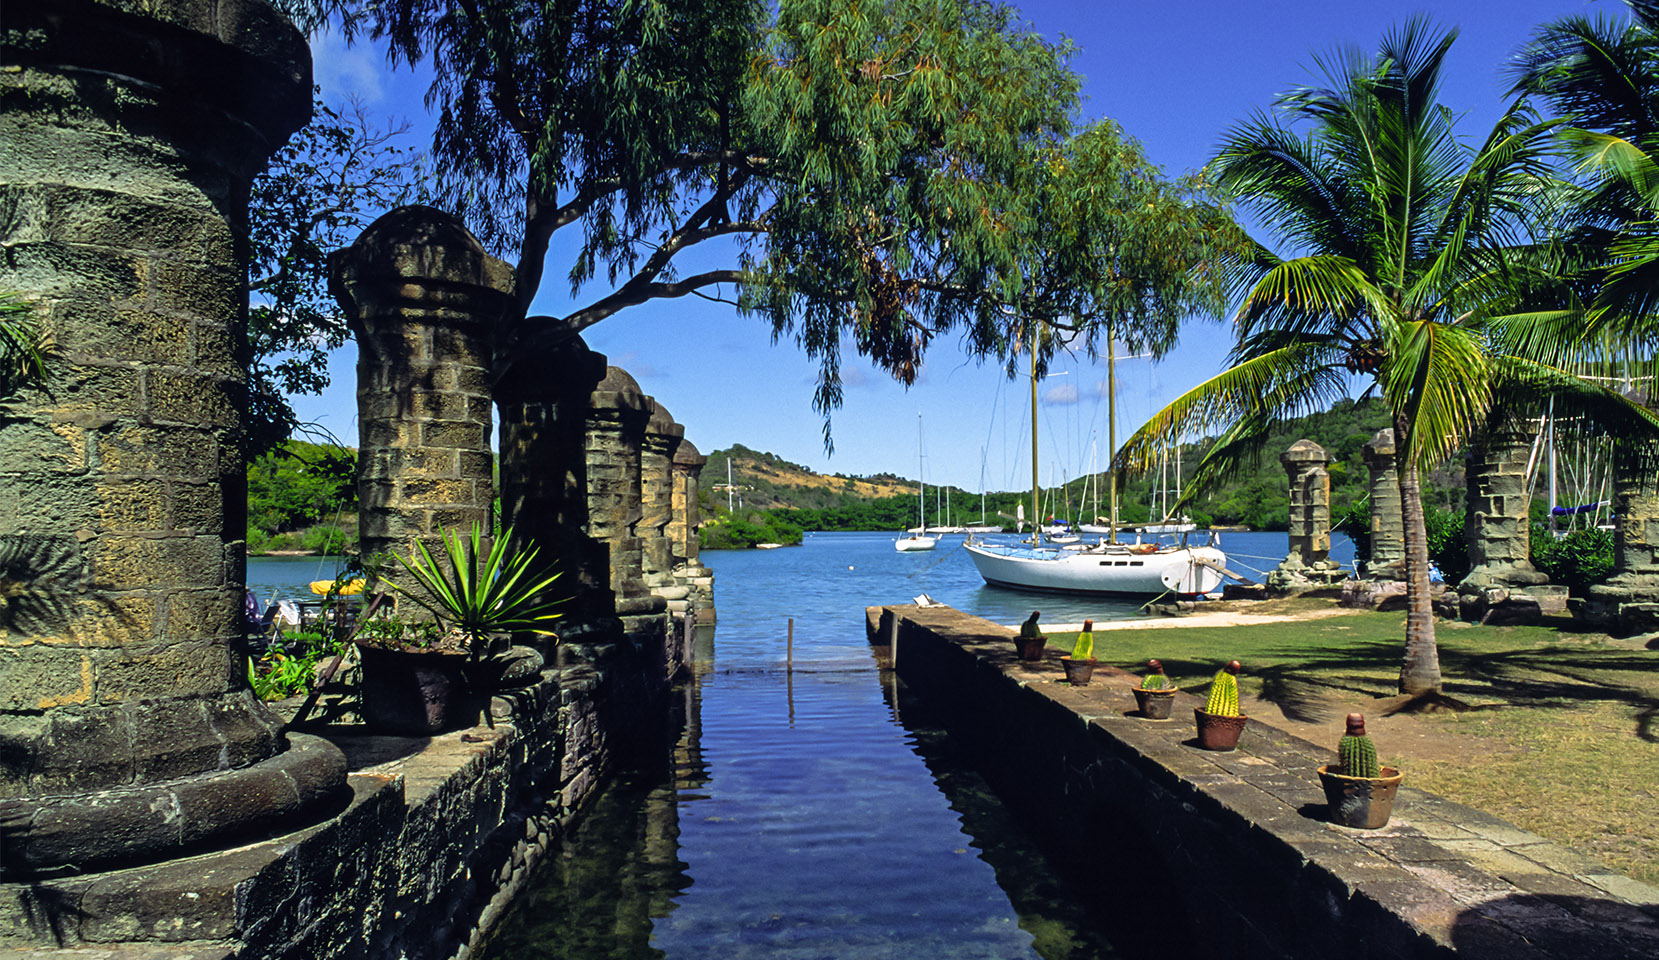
(1060, 395)
(343, 70)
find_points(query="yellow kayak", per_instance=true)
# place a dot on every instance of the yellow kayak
(350, 588)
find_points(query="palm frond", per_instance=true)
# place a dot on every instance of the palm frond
(1438, 381)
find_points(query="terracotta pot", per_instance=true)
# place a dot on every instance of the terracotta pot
(418, 692)
(1364, 802)
(1216, 732)
(1078, 672)
(1030, 649)
(1155, 704)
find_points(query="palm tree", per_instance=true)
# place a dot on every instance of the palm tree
(21, 356)
(1408, 246)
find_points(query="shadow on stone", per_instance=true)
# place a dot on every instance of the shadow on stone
(1563, 925)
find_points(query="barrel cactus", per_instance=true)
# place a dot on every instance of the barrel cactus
(1155, 678)
(1084, 648)
(1358, 754)
(1223, 700)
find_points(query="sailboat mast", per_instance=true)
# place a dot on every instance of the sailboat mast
(1036, 486)
(1112, 430)
(921, 485)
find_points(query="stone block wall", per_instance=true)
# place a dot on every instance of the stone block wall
(1629, 601)
(423, 300)
(1308, 564)
(129, 136)
(1498, 528)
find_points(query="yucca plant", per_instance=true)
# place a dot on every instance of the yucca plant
(479, 592)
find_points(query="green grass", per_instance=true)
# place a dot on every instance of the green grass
(1567, 722)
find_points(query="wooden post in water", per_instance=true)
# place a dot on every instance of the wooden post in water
(789, 650)
(893, 644)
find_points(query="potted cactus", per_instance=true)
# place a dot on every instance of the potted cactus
(1156, 695)
(1219, 720)
(1080, 665)
(1030, 640)
(1359, 791)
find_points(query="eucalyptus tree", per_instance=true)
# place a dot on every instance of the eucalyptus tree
(872, 173)
(1406, 248)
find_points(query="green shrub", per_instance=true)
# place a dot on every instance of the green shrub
(1578, 561)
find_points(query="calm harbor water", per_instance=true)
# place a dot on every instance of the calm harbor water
(813, 814)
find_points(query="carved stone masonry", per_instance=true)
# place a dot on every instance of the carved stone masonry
(129, 136)
(689, 571)
(423, 299)
(1629, 601)
(1308, 564)
(1498, 529)
(1388, 529)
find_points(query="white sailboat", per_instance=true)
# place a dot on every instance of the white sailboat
(918, 539)
(1106, 566)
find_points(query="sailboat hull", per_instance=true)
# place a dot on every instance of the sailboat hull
(912, 544)
(1185, 572)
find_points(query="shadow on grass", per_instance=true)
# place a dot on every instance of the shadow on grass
(1303, 680)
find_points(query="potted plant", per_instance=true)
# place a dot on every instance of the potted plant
(1156, 695)
(420, 677)
(1219, 720)
(1359, 791)
(1030, 640)
(1079, 666)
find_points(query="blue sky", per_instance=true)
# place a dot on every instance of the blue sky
(1176, 74)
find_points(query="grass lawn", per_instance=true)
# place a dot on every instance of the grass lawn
(1561, 735)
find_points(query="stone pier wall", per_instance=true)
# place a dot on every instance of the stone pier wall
(1388, 528)
(1194, 853)
(1629, 601)
(1308, 564)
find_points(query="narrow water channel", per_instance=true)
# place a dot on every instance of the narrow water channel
(812, 813)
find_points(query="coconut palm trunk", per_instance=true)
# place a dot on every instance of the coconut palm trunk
(1420, 671)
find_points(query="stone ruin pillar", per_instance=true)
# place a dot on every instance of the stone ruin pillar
(689, 571)
(423, 299)
(616, 420)
(129, 135)
(1498, 529)
(656, 483)
(1629, 601)
(1308, 563)
(1388, 529)
(544, 475)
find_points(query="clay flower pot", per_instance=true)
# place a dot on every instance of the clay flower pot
(416, 693)
(1078, 672)
(1031, 649)
(1217, 732)
(1155, 704)
(1364, 802)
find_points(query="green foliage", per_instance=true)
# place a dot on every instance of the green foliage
(1155, 678)
(480, 592)
(1358, 757)
(392, 632)
(740, 530)
(1223, 701)
(299, 485)
(317, 193)
(1578, 561)
(289, 667)
(22, 355)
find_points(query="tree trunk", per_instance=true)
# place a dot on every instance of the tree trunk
(1420, 674)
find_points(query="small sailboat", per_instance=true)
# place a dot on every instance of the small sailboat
(1106, 566)
(918, 539)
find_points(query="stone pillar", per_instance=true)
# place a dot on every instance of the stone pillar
(1388, 529)
(689, 571)
(1629, 601)
(1308, 563)
(423, 299)
(544, 477)
(616, 418)
(656, 483)
(128, 141)
(1498, 529)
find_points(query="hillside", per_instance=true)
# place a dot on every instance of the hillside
(768, 482)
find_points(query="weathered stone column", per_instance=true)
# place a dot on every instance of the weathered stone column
(1498, 529)
(689, 571)
(1308, 563)
(1388, 529)
(616, 418)
(423, 299)
(656, 483)
(129, 135)
(1629, 601)
(544, 476)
